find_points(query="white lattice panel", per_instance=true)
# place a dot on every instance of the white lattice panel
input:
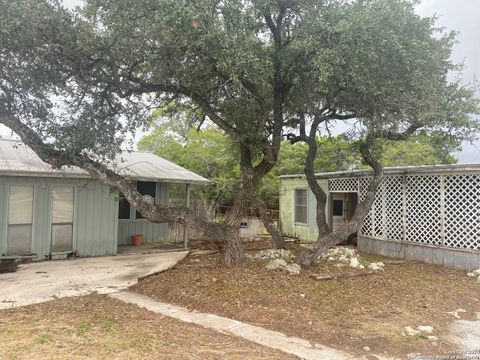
(423, 210)
(393, 208)
(462, 211)
(377, 213)
(343, 185)
(366, 229)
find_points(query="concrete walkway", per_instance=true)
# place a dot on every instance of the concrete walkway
(302, 348)
(43, 281)
(466, 333)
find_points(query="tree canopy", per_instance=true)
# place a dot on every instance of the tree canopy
(209, 153)
(74, 84)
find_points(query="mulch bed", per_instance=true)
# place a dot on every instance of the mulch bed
(344, 313)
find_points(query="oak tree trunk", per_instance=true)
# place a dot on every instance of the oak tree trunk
(324, 242)
(277, 237)
(230, 247)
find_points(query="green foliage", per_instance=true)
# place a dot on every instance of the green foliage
(84, 81)
(207, 152)
(414, 152)
(335, 154)
(210, 153)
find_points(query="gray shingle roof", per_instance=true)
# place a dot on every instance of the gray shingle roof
(19, 160)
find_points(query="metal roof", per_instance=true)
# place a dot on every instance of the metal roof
(423, 169)
(17, 159)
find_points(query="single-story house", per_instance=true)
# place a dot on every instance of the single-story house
(49, 213)
(426, 213)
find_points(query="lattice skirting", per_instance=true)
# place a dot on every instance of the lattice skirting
(442, 210)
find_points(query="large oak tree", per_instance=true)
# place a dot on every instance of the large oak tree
(73, 85)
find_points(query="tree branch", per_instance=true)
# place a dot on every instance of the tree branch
(153, 212)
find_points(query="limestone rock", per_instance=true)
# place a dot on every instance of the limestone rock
(455, 313)
(276, 264)
(411, 331)
(375, 267)
(425, 329)
(274, 254)
(354, 263)
(293, 269)
(280, 264)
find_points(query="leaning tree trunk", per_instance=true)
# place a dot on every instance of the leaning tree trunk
(277, 236)
(232, 249)
(309, 170)
(320, 196)
(324, 242)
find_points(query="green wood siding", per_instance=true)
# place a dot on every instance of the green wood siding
(306, 232)
(95, 217)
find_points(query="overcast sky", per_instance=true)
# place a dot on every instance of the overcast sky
(462, 16)
(459, 15)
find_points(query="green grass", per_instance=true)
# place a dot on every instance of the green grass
(44, 337)
(85, 325)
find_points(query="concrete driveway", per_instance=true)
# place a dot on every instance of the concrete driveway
(38, 282)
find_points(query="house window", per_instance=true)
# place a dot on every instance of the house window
(146, 188)
(337, 208)
(62, 218)
(20, 220)
(301, 206)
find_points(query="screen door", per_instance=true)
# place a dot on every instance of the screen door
(338, 210)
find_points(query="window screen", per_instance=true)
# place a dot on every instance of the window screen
(62, 218)
(301, 206)
(123, 208)
(20, 219)
(146, 188)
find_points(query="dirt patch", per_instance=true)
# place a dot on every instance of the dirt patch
(98, 327)
(346, 314)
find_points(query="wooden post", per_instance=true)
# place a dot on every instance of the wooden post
(187, 204)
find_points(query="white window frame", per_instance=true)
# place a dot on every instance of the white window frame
(50, 217)
(6, 195)
(295, 206)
